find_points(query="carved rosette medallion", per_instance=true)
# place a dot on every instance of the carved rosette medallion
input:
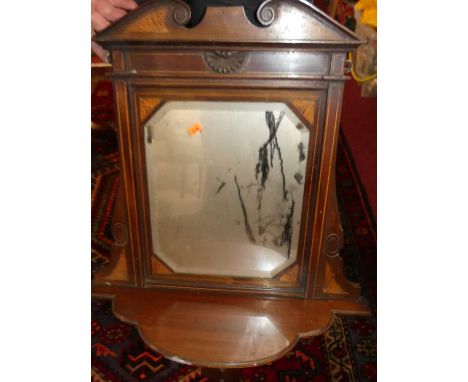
(225, 62)
(332, 245)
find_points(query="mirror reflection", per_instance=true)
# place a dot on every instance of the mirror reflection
(225, 183)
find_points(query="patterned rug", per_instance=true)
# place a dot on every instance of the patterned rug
(346, 352)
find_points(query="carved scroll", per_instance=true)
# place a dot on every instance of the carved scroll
(334, 283)
(166, 20)
(266, 12)
(117, 269)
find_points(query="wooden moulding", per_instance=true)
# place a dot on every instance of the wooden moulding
(214, 64)
(117, 271)
(220, 330)
(282, 22)
(290, 282)
(327, 266)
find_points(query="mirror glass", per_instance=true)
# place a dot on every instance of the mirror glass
(225, 183)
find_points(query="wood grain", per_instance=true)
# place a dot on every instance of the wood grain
(289, 22)
(216, 330)
(296, 57)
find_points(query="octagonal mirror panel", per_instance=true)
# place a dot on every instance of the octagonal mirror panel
(225, 184)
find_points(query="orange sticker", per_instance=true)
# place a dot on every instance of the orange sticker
(195, 129)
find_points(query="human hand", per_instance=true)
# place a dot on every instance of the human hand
(103, 14)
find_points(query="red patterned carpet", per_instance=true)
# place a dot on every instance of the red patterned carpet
(346, 352)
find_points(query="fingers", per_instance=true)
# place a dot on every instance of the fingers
(124, 4)
(100, 51)
(105, 12)
(108, 11)
(98, 22)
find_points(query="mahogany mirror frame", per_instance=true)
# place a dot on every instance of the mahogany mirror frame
(157, 59)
